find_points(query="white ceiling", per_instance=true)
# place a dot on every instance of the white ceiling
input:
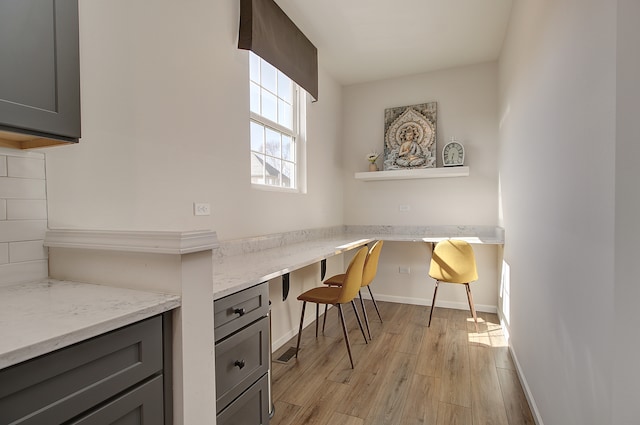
(368, 40)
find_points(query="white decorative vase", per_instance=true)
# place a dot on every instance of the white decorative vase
(373, 167)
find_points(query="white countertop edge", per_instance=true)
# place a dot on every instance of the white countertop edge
(230, 276)
(156, 242)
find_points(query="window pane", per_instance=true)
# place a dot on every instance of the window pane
(273, 142)
(254, 67)
(285, 114)
(255, 98)
(272, 104)
(288, 174)
(269, 106)
(273, 170)
(287, 148)
(285, 88)
(257, 168)
(269, 77)
(257, 137)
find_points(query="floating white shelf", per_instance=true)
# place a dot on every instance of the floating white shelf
(422, 173)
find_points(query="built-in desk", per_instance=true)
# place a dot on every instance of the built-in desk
(240, 264)
(237, 272)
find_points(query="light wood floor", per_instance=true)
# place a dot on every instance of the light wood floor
(409, 374)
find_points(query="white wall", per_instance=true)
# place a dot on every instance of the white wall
(626, 375)
(467, 100)
(165, 103)
(557, 169)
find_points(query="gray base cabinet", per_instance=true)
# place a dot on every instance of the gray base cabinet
(115, 378)
(243, 357)
(252, 407)
(40, 72)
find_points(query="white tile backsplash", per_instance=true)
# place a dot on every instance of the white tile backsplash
(3, 166)
(22, 230)
(26, 272)
(26, 209)
(23, 217)
(27, 251)
(27, 168)
(12, 188)
(4, 253)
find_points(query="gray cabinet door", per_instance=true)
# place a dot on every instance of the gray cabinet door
(39, 68)
(140, 406)
(56, 387)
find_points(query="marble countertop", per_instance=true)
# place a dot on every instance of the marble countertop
(237, 272)
(248, 262)
(40, 317)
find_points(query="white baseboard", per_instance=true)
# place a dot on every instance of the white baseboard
(293, 332)
(275, 345)
(425, 301)
(525, 386)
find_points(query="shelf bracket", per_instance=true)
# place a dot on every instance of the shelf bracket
(323, 268)
(285, 286)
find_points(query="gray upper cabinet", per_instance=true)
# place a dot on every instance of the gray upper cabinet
(39, 73)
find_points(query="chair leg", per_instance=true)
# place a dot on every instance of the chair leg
(433, 303)
(324, 319)
(304, 304)
(317, 315)
(346, 334)
(364, 313)
(374, 302)
(355, 311)
(471, 306)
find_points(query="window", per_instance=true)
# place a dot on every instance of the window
(275, 124)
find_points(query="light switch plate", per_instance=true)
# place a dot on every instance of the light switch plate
(201, 208)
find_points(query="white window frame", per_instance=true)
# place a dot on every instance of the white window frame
(297, 134)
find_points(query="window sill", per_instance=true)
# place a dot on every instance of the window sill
(423, 173)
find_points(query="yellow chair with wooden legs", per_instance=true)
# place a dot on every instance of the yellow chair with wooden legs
(368, 274)
(453, 261)
(337, 296)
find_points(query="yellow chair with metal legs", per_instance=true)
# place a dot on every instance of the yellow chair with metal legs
(368, 274)
(453, 261)
(337, 296)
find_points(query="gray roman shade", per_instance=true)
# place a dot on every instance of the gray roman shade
(268, 32)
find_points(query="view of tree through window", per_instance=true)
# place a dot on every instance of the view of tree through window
(274, 125)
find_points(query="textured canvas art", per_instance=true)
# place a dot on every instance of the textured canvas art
(410, 136)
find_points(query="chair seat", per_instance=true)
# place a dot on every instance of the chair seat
(336, 280)
(321, 295)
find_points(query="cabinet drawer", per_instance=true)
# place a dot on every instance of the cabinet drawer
(252, 408)
(140, 406)
(61, 385)
(237, 310)
(240, 360)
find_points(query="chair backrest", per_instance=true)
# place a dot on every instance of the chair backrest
(453, 261)
(353, 277)
(371, 263)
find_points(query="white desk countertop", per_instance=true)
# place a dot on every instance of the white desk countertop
(254, 265)
(40, 317)
(237, 272)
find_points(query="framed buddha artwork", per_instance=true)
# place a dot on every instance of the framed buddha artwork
(410, 136)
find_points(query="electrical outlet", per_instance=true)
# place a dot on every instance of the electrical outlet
(201, 208)
(404, 270)
(404, 208)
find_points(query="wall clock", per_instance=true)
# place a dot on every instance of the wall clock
(453, 154)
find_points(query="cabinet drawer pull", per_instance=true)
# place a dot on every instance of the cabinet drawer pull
(240, 311)
(239, 363)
